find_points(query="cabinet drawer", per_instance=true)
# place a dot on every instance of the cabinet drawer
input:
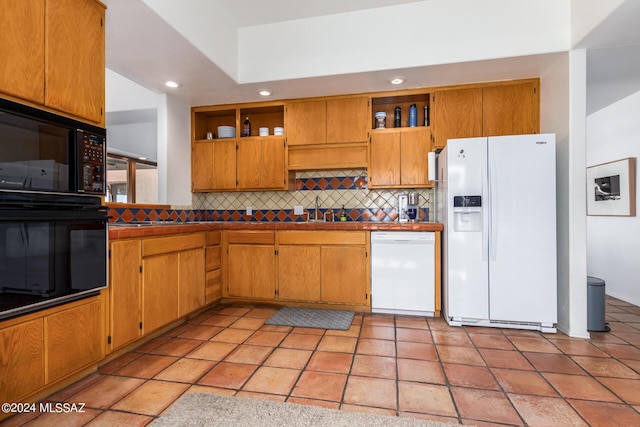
(322, 237)
(163, 245)
(212, 238)
(212, 258)
(254, 237)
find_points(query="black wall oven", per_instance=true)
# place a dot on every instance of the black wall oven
(53, 249)
(53, 226)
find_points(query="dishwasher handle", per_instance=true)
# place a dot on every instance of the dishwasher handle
(407, 237)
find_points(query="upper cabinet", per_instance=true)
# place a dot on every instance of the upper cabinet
(22, 39)
(333, 121)
(232, 162)
(398, 155)
(75, 59)
(509, 108)
(456, 114)
(57, 55)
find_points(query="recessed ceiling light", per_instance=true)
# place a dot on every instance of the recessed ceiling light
(172, 84)
(142, 158)
(396, 80)
(264, 92)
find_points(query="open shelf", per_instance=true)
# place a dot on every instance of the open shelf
(389, 103)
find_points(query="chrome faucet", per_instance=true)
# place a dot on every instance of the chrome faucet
(317, 208)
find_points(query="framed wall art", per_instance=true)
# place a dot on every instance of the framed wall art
(611, 188)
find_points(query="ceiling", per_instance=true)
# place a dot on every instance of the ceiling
(144, 48)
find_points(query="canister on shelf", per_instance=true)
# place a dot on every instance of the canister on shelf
(381, 120)
(413, 115)
(397, 117)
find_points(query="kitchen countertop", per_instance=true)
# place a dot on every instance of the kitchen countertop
(151, 230)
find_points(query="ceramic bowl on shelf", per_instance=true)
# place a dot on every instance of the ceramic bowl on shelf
(226, 132)
(263, 131)
(278, 131)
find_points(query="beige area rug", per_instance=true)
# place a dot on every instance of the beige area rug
(206, 409)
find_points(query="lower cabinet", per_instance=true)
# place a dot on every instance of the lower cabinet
(20, 376)
(73, 339)
(251, 264)
(42, 348)
(152, 282)
(323, 267)
(173, 278)
(124, 293)
(212, 264)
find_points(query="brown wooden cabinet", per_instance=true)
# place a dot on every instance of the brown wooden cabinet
(212, 264)
(56, 50)
(22, 28)
(323, 267)
(74, 58)
(191, 281)
(22, 359)
(173, 278)
(398, 158)
(306, 122)
(456, 114)
(124, 293)
(213, 165)
(261, 164)
(251, 264)
(73, 339)
(333, 121)
(509, 108)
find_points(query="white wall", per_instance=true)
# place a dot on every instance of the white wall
(408, 35)
(613, 243)
(174, 153)
(172, 135)
(562, 112)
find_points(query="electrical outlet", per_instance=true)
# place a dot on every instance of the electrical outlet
(249, 210)
(298, 210)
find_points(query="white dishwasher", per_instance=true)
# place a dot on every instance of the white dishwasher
(403, 272)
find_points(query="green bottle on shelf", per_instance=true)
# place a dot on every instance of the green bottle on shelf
(343, 215)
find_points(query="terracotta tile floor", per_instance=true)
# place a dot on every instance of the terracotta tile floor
(404, 366)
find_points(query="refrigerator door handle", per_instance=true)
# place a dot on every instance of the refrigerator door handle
(493, 206)
(484, 178)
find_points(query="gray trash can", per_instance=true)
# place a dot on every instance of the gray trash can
(595, 305)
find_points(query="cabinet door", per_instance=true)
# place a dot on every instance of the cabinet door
(75, 59)
(22, 40)
(191, 281)
(348, 120)
(202, 178)
(343, 272)
(160, 277)
(251, 271)
(73, 340)
(224, 164)
(272, 163)
(249, 163)
(511, 109)
(306, 122)
(384, 159)
(21, 360)
(457, 114)
(124, 291)
(413, 157)
(299, 273)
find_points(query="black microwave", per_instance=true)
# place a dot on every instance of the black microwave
(45, 152)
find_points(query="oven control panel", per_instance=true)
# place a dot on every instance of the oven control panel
(92, 163)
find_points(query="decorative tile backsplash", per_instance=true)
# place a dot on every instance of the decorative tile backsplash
(334, 190)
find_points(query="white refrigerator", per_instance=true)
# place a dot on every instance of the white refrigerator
(497, 199)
